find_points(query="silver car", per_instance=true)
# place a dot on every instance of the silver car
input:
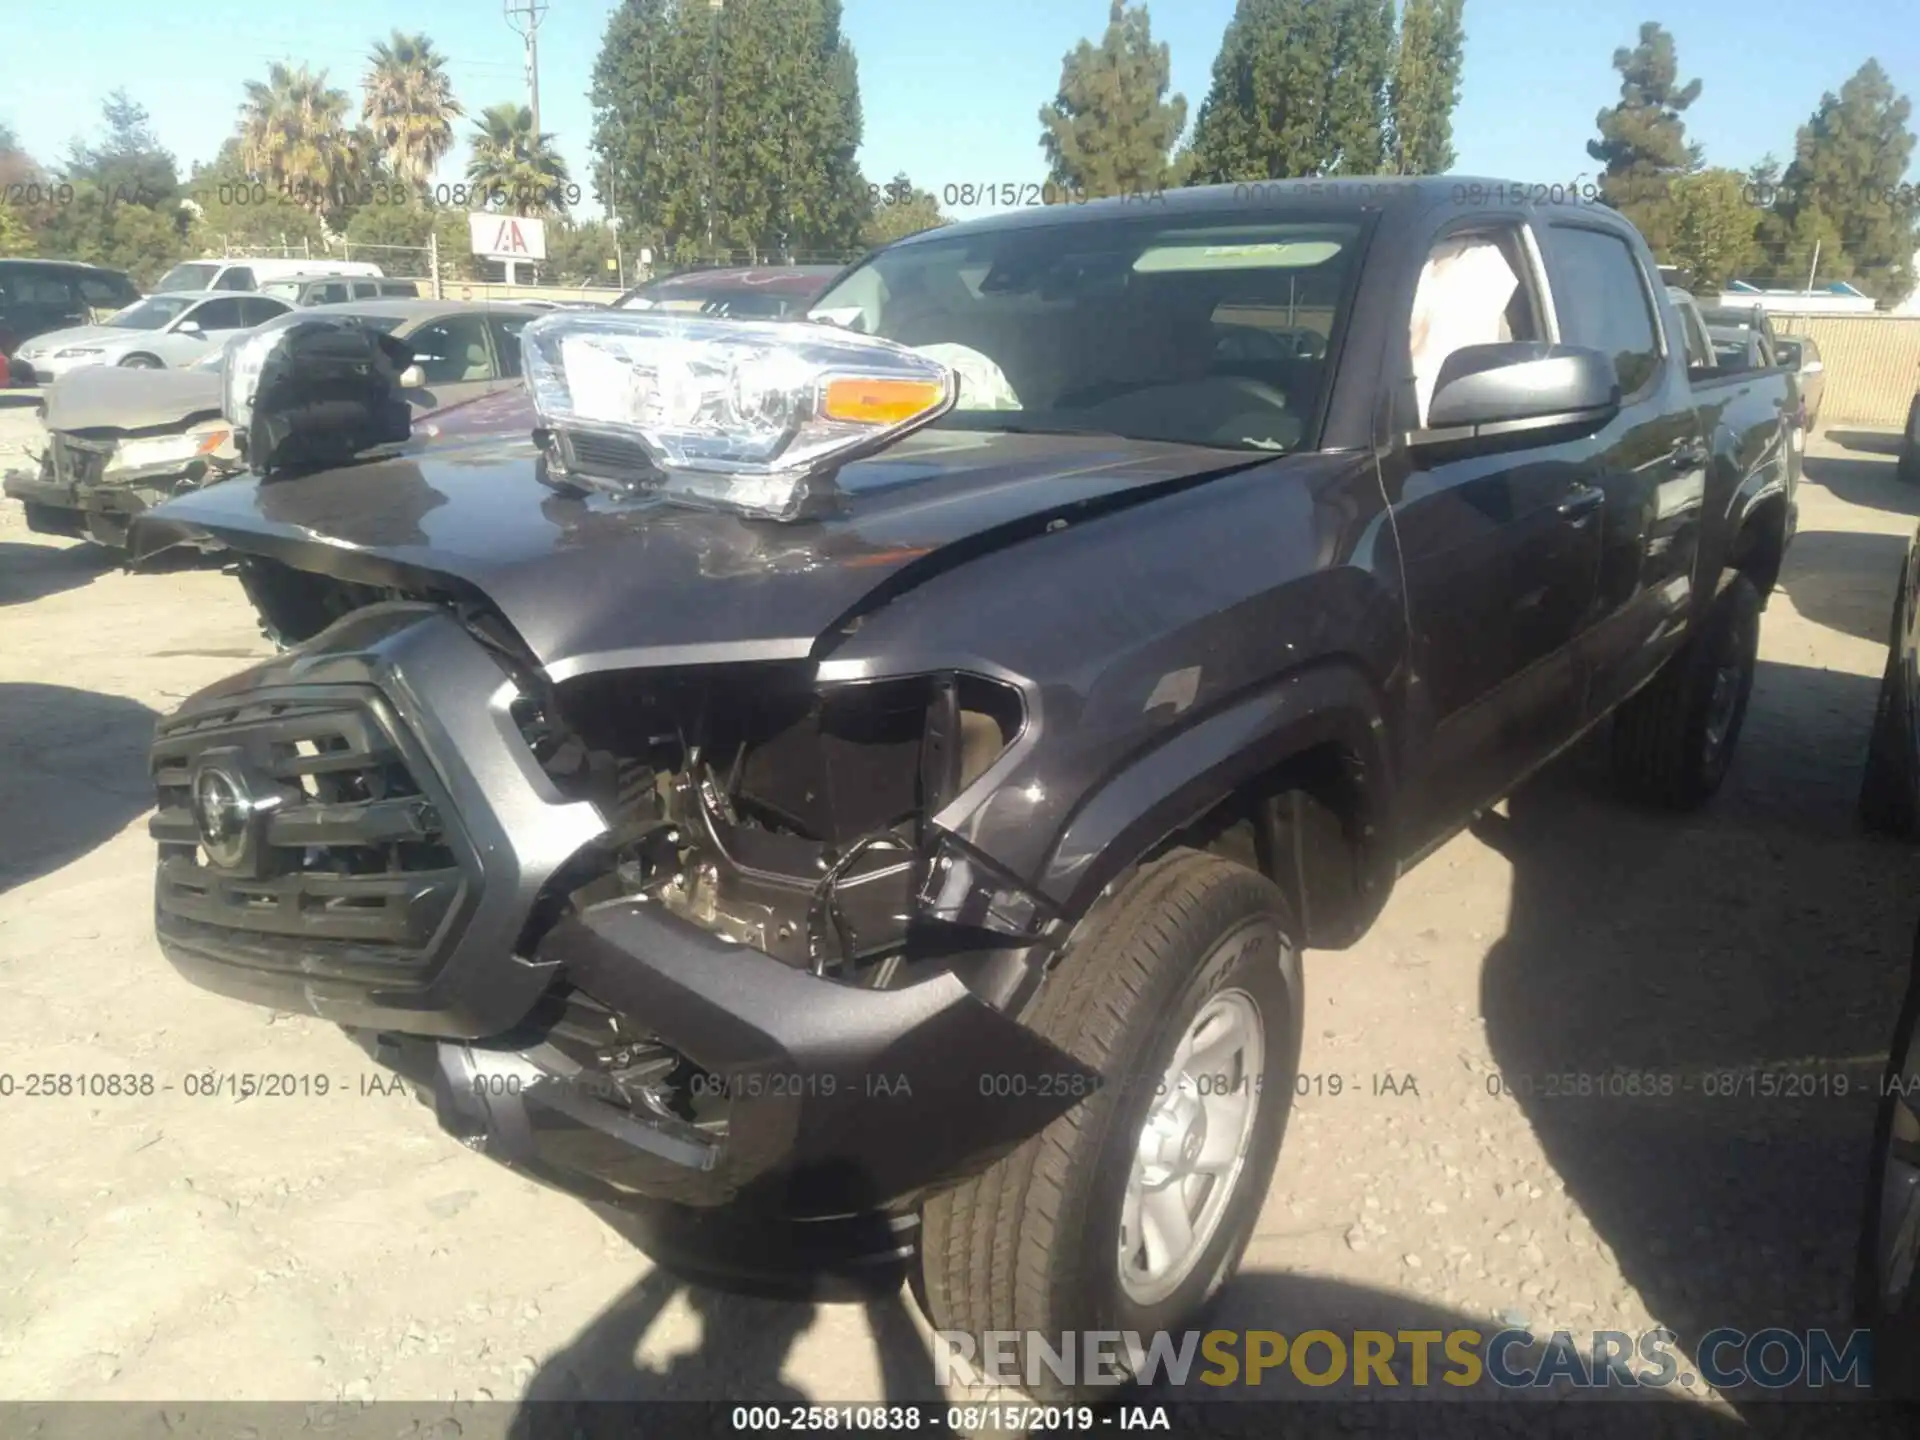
(171, 329)
(119, 442)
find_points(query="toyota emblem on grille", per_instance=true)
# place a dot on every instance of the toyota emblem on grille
(223, 809)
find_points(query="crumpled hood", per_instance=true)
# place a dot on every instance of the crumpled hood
(107, 397)
(610, 581)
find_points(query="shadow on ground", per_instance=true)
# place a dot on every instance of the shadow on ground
(1845, 579)
(1745, 963)
(73, 772)
(1868, 442)
(1864, 480)
(29, 572)
(590, 1389)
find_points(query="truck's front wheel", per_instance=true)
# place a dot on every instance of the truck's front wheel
(1130, 1211)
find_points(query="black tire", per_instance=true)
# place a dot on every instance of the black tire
(1034, 1243)
(142, 362)
(1908, 470)
(1673, 742)
(1893, 1319)
(1889, 804)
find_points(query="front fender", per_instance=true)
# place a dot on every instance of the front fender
(1197, 767)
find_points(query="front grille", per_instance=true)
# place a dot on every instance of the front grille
(355, 871)
(77, 461)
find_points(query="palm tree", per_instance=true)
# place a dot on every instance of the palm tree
(409, 105)
(512, 168)
(294, 136)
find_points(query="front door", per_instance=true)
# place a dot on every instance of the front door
(1499, 546)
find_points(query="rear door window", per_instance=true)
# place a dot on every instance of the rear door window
(1603, 301)
(365, 289)
(258, 309)
(219, 315)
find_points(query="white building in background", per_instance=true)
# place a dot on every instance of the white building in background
(1911, 304)
(1838, 298)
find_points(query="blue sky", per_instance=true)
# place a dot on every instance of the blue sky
(951, 91)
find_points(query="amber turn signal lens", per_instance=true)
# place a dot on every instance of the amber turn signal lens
(876, 401)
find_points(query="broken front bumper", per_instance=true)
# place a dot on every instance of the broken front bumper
(53, 508)
(836, 1099)
(773, 1092)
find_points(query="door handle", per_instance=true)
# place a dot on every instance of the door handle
(1580, 503)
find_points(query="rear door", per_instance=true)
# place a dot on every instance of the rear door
(1500, 548)
(1651, 459)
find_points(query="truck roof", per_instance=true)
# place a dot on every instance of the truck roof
(1384, 193)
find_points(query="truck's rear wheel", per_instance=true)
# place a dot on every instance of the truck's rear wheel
(1130, 1211)
(1673, 742)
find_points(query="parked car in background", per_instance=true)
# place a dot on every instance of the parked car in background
(163, 330)
(1800, 354)
(1730, 314)
(120, 441)
(252, 274)
(1740, 349)
(301, 291)
(41, 296)
(464, 348)
(770, 292)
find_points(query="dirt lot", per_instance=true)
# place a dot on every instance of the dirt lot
(342, 1248)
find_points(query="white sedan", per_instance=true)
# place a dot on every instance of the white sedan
(170, 329)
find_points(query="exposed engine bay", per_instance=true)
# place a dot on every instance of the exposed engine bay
(767, 809)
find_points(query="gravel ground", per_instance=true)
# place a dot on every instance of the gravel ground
(166, 1247)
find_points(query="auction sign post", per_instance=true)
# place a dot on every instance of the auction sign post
(509, 239)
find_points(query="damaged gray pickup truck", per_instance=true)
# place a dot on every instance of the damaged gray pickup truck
(858, 791)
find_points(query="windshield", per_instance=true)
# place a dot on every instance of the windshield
(1207, 332)
(190, 276)
(152, 313)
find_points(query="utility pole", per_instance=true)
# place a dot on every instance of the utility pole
(1814, 268)
(525, 17)
(713, 103)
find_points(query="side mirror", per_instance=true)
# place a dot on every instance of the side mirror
(1519, 388)
(188, 327)
(413, 378)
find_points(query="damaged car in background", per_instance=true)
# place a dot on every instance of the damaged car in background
(120, 441)
(856, 794)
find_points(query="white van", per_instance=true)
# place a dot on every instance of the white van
(239, 274)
